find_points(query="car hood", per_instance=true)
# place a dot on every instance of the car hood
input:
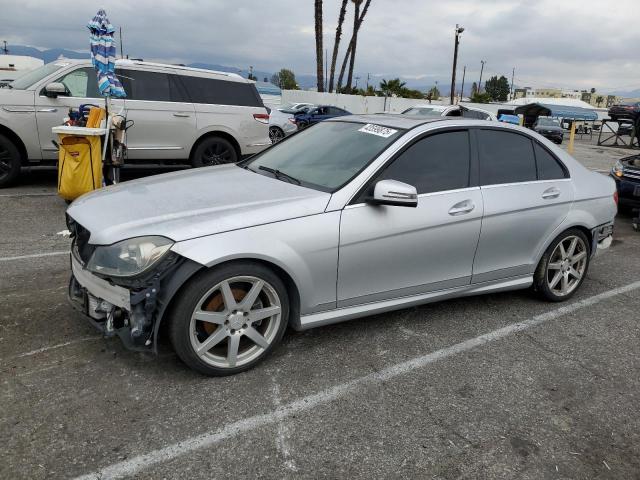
(13, 97)
(192, 203)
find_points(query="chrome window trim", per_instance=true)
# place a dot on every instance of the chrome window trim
(528, 182)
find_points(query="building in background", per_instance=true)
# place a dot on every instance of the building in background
(529, 92)
(599, 100)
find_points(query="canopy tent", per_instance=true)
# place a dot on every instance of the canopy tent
(535, 110)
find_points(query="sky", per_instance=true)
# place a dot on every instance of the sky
(577, 44)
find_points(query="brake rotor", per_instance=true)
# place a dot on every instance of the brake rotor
(216, 304)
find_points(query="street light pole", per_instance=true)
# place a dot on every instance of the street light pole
(481, 70)
(459, 30)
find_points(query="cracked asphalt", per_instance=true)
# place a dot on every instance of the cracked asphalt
(558, 400)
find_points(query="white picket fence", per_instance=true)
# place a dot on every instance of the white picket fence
(353, 103)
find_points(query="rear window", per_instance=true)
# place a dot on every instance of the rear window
(221, 92)
(505, 157)
(549, 167)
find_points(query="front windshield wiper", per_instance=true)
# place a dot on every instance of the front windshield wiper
(280, 175)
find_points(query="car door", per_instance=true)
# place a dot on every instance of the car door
(82, 88)
(164, 121)
(392, 251)
(526, 193)
(319, 114)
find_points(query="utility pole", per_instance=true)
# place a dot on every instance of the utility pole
(368, 78)
(121, 49)
(459, 31)
(326, 66)
(513, 74)
(464, 73)
(357, 78)
(481, 70)
(5, 50)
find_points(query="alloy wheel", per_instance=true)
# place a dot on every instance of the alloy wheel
(235, 322)
(567, 265)
(275, 135)
(216, 153)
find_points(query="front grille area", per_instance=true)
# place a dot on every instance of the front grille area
(80, 235)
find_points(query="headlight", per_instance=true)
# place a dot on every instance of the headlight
(129, 257)
(618, 169)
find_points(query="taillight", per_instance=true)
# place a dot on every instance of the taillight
(615, 197)
(261, 117)
(293, 120)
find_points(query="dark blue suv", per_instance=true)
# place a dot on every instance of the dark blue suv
(626, 173)
(317, 114)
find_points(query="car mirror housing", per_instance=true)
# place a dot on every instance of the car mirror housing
(393, 192)
(55, 89)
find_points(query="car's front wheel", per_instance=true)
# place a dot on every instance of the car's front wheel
(563, 267)
(9, 162)
(275, 134)
(214, 151)
(229, 319)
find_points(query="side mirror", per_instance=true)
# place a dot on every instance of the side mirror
(393, 192)
(55, 89)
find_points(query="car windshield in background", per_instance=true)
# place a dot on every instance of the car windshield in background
(548, 122)
(34, 76)
(423, 112)
(325, 156)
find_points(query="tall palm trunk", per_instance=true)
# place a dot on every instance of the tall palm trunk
(352, 60)
(336, 43)
(354, 36)
(319, 65)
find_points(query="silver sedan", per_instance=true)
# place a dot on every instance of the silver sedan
(354, 216)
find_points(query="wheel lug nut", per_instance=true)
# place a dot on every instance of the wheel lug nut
(244, 326)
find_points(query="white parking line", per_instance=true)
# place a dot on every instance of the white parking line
(34, 255)
(135, 464)
(59, 345)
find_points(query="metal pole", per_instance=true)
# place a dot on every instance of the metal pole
(480, 81)
(464, 73)
(513, 74)
(455, 61)
(326, 66)
(121, 50)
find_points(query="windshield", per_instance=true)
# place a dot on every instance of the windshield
(423, 112)
(325, 156)
(34, 76)
(548, 122)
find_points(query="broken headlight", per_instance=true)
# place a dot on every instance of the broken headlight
(129, 257)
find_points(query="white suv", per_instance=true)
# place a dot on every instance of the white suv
(180, 115)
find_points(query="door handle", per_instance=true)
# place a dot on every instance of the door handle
(552, 192)
(461, 208)
(181, 115)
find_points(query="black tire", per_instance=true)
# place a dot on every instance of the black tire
(199, 291)
(214, 151)
(10, 160)
(276, 134)
(541, 275)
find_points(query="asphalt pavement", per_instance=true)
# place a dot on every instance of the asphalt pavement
(495, 386)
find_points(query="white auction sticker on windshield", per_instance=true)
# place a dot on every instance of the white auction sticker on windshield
(378, 130)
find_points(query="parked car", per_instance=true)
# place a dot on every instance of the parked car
(355, 216)
(630, 111)
(280, 124)
(310, 116)
(449, 111)
(181, 115)
(549, 128)
(626, 173)
(294, 108)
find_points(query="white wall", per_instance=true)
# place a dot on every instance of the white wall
(353, 103)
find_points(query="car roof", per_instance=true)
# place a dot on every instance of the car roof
(437, 108)
(405, 122)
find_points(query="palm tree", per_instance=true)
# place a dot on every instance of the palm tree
(354, 36)
(389, 87)
(336, 43)
(352, 60)
(319, 66)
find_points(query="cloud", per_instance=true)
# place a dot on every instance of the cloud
(569, 43)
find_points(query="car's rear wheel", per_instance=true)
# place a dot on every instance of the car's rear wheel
(275, 134)
(214, 151)
(229, 319)
(9, 162)
(563, 267)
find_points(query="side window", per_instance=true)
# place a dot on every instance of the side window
(335, 111)
(221, 92)
(433, 164)
(505, 157)
(154, 86)
(549, 168)
(81, 83)
(454, 113)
